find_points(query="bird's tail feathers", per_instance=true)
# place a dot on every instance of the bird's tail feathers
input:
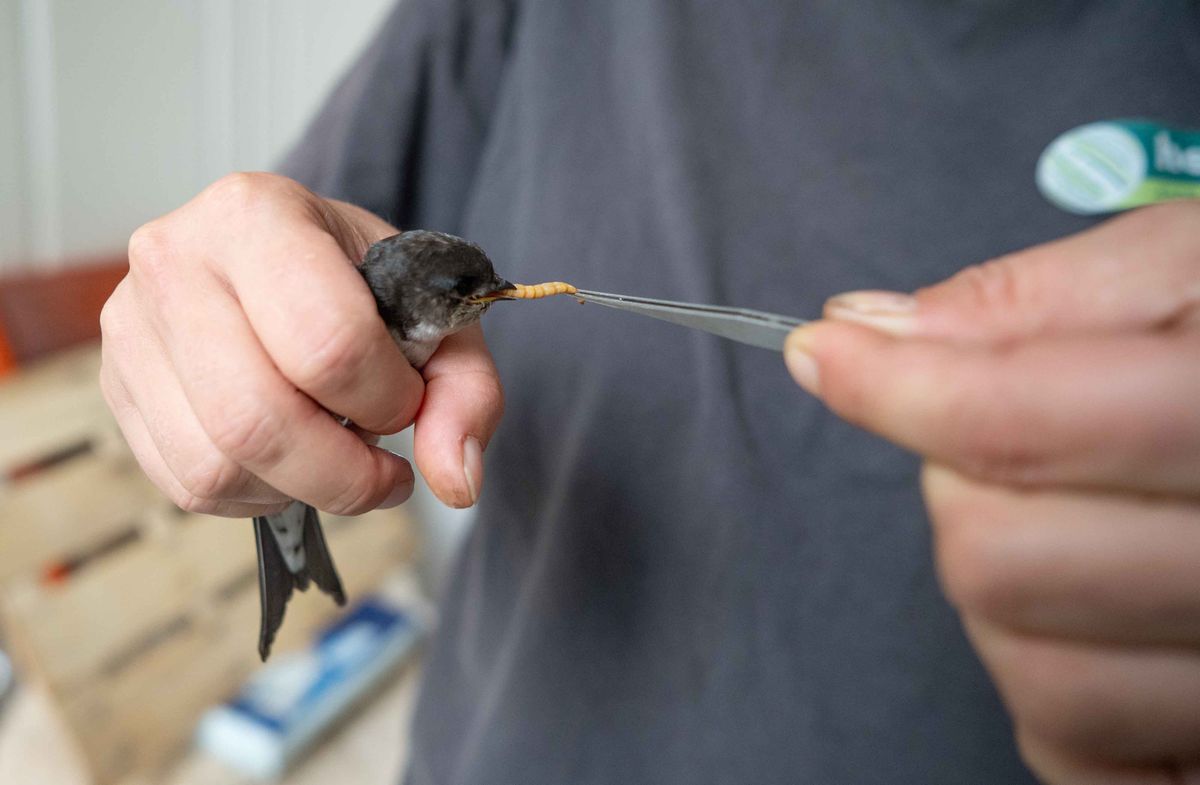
(276, 580)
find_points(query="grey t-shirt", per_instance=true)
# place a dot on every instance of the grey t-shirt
(685, 570)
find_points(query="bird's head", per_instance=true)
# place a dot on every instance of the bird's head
(427, 284)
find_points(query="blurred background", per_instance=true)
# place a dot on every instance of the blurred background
(116, 112)
(124, 619)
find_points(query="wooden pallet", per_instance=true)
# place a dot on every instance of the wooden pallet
(135, 616)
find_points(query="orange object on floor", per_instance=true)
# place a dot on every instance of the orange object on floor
(8, 361)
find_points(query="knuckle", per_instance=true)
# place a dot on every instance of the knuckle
(149, 250)
(355, 497)
(190, 503)
(337, 354)
(975, 574)
(994, 286)
(244, 193)
(112, 318)
(246, 432)
(240, 189)
(214, 478)
(975, 564)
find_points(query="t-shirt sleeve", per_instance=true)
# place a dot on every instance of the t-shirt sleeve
(403, 132)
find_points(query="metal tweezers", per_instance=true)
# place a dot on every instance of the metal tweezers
(757, 328)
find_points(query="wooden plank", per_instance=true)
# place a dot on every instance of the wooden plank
(140, 717)
(74, 628)
(68, 509)
(50, 406)
(104, 611)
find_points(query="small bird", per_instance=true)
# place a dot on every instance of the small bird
(427, 285)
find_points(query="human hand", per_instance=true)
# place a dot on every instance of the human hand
(1055, 397)
(242, 324)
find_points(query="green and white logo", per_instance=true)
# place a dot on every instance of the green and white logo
(1110, 166)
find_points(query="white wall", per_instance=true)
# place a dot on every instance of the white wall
(114, 112)
(12, 214)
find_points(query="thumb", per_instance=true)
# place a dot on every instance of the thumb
(1138, 271)
(1114, 411)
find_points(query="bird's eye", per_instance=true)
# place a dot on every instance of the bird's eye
(443, 283)
(466, 286)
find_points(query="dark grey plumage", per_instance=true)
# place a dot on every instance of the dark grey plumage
(426, 285)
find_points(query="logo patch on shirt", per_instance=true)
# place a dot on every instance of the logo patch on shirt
(1116, 165)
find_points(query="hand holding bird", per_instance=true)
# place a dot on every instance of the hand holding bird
(427, 286)
(243, 323)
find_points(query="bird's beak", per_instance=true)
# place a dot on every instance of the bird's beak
(520, 291)
(502, 290)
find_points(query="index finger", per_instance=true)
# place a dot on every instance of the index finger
(311, 309)
(1138, 271)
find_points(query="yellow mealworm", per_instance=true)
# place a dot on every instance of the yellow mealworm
(537, 291)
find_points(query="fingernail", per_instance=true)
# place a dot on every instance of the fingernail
(402, 490)
(797, 354)
(472, 467)
(399, 495)
(894, 313)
